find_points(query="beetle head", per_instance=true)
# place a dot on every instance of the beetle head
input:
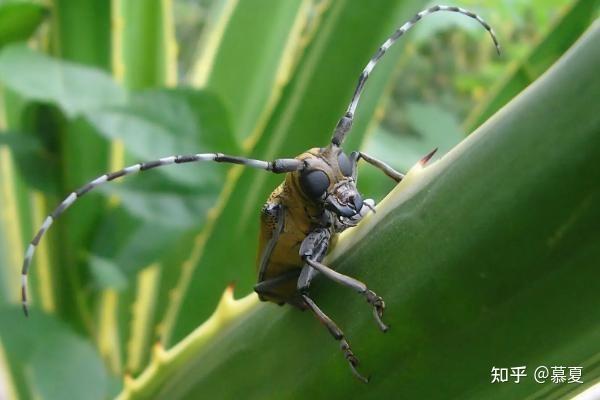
(328, 179)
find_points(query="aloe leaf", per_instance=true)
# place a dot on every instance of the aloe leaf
(79, 34)
(19, 20)
(11, 225)
(35, 77)
(159, 208)
(246, 63)
(487, 257)
(143, 57)
(82, 32)
(144, 46)
(76, 25)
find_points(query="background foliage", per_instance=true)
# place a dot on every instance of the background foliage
(123, 280)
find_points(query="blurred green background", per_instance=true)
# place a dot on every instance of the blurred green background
(90, 86)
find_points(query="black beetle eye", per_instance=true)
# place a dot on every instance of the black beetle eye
(344, 164)
(314, 183)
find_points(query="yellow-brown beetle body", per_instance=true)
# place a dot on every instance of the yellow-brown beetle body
(287, 218)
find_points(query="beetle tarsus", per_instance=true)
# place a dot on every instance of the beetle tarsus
(385, 168)
(352, 360)
(378, 313)
(370, 205)
(337, 334)
(378, 308)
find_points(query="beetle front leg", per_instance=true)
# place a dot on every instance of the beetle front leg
(313, 249)
(385, 168)
(371, 297)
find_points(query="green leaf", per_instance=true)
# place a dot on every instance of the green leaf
(487, 257)
(74, 88)
(19, 20)
(158, 123)
(79, 23)
(46, 358)
(144, 55)
(264, 50)
(158, 208)
(166, 208)
(106, 273)
(575, 19)
(79, 33)
(37, 166)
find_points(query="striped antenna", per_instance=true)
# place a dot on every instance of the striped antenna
(276, 166)
(345, 123)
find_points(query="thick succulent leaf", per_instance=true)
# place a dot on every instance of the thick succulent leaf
(575, 19)
(144, 53)
(487, 257)
(83, 32)
(81, 36)
(19, 19)
(11, 224)
(143, 57)
(264, 50)
(47, 359)
(158, 208)
(310, 107)
(72, 89)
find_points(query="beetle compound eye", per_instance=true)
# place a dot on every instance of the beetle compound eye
(314, 183)
(344, 164)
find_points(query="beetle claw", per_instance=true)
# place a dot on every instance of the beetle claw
(358, 374)
(378, 307)
(378, 313)
(352, 361)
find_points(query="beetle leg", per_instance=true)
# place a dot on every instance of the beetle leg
(355, 156)
(389, 171)
(312, 250)
(270, 288)
(371, 297)
(337, 334)
(273, 215)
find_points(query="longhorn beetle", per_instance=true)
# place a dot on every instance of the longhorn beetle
(317, 200)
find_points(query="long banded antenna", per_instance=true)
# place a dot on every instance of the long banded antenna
(276, 166)
(345, 123)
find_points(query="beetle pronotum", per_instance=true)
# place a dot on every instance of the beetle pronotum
(317, 200)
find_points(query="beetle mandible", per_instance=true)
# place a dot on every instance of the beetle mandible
(317, 200)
